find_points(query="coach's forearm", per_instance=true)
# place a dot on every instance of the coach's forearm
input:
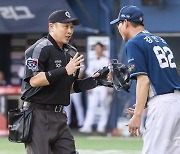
(142, 89)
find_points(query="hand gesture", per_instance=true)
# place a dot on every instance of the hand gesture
(131, 110)
(134, 122)
(74, 64)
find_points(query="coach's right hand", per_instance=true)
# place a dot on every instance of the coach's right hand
(74, 64)
(131, 110)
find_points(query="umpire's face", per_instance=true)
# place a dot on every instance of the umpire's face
(61, 32)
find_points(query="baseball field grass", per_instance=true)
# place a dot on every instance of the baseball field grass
(87, 145)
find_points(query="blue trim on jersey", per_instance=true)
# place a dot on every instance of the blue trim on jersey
(136, 74)
(153, 90)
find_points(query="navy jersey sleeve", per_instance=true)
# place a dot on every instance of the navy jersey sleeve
(35, 59)
(136, 60)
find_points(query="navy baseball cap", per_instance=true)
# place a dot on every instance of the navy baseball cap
(130, 13)
(62, 16)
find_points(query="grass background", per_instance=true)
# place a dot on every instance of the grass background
(83, 143)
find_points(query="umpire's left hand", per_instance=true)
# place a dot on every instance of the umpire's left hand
(74, 64)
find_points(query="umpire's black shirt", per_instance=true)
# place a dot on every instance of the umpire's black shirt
(43, 56)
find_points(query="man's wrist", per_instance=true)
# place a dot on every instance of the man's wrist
(84, 84)
(67, 71)
(137, 113)
(56, 74)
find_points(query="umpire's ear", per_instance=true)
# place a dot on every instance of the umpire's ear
(51, 27)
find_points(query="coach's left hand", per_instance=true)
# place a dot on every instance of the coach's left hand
(134, 125)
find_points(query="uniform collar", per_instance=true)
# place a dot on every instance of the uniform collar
(51, 39)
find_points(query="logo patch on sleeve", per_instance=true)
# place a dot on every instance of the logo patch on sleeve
(32, 64)
(131, 67)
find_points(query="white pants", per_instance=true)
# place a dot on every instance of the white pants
(77, 101)
(97, 98)
(162, 129)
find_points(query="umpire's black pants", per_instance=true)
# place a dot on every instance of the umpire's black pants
(50, 134)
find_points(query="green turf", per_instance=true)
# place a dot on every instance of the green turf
(7, 147)
(108, 143)
(83, 143)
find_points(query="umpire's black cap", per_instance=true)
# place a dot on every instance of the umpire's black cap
(62, 16)
(130, 13)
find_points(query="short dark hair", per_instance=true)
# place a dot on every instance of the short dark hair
(135, 24)
(99, 43)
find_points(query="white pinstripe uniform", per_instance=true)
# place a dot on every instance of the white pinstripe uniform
(96, 97)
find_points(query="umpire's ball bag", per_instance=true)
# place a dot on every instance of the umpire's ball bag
(19, 125)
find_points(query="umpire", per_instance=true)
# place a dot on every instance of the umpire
(51, 70)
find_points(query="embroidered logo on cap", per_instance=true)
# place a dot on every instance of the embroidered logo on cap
(32, 64)
(67, 14)
(140, 19)
(125, 16)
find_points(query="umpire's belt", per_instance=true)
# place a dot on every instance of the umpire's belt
(55, 108)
